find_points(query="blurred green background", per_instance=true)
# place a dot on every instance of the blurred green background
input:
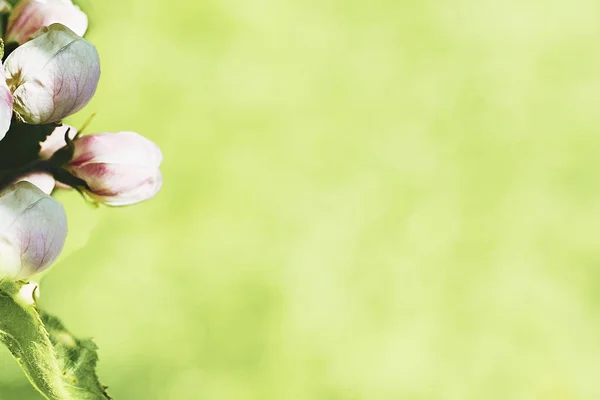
(361, 200)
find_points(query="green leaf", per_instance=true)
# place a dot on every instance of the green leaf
(77, 360)
(58, 364)
(22, 331)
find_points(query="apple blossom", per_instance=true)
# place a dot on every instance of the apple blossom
(119, 168)
(29, 16)
(33, 228)
(52, 76)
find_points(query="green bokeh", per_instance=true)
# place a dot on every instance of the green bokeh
(362, 200)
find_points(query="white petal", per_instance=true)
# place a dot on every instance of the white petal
(43, 181)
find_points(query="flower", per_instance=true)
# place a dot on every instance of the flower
(29, 16)
(52, 76)
(119, 168)
(33, 228)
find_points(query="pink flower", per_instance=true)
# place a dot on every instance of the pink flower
(29, 16)
(120, 168)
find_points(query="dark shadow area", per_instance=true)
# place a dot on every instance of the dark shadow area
(21, 145)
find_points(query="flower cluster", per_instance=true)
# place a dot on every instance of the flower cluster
(51, 72)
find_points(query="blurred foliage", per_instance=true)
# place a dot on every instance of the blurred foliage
(362, 200)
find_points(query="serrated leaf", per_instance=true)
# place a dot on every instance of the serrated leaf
(77, 359)
(59, 366)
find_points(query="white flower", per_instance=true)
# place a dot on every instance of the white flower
(52, 76)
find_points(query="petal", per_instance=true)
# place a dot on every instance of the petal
(122, 147)
(120, 185)
(43, 181)
(29, 16)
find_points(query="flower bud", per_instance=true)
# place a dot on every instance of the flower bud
(33, 228)
(52, 76)
(119, 168)
(29, 16)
